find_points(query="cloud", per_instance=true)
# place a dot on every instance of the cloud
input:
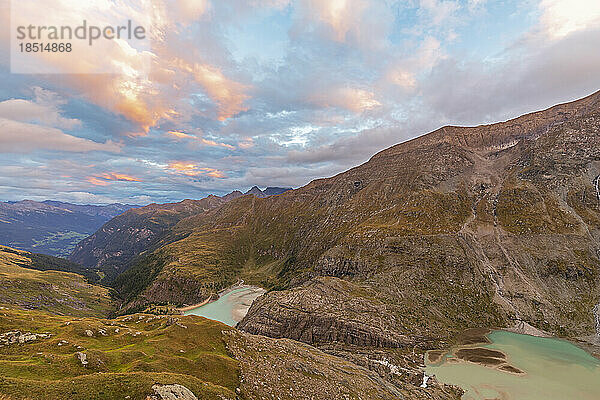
(340, 15)
(404, 72)
(149, 82)
(246, 143)
(560, 18)
(534, 74)
(317, 87)
(193, 169)
(37, 124)
(440, 10)
(353, 99)
(114, 176)
(188, 11)
(181, 135)
(363, 23)
(206, 142)
(229, 95)
(97, 182)
(107, 178)
(22, 137)
(474, 5)
(44, 109)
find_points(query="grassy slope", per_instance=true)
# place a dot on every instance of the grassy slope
(145, 350)
(53, 291)
(114, 246)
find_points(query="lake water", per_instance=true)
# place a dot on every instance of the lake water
(231, 306)
(554, 370)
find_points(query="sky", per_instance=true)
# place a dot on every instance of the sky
(235, 93)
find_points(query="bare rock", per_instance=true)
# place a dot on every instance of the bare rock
(82, 357)
(171, 392)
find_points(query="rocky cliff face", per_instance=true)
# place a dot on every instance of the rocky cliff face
(328, 310)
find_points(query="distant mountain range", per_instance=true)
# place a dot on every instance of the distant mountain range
(55, 227)
(52, 227)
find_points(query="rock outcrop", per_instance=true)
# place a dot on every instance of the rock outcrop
(171, 392)
(326, 310)
(17, 337)
(82, 357)
(288, 370)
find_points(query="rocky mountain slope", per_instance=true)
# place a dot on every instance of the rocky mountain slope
(51, 227)
(31, 282)
(485, 226)
(123, 238)
(488, 226)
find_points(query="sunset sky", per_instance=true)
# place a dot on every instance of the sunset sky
(236, 93)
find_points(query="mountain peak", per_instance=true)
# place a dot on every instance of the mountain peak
(269, 191)
(255, 190)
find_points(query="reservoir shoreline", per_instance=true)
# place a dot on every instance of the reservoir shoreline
(516, 366)
(212, 298)
(230, 306)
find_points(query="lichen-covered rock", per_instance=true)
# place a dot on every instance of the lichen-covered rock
(17, 337)
(171, 392)
(82, 357)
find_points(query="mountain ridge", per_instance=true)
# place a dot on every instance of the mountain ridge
(534, 122)
(143, 227)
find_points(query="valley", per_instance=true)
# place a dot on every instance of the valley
(51, 227)
(57, 341)
(359, 286)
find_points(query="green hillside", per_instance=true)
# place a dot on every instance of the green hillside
(64, 293)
